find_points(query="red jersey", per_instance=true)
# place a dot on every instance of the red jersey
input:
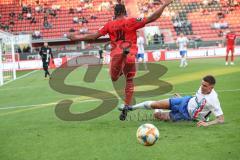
(230, 39)
(121, 30)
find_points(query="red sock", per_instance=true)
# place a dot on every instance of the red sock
(232, 57)
(227, 56)
(129, 89)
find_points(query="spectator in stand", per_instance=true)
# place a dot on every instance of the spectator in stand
(75, 20)
(56, 7)
(29, 16)
(223, 25)
(53, 13)
(83, 30)
(20, 16)
(220, 25)
(88, 5)
(71, 10)
(216, 25)
(83, 20)
(36, 34)
(12, 15)
(6, 27)
(79, 9)
(177, 26)
(104, 6)
(46, 24)
(33, 20)
(38, 9)
(220, 15)
(93, 16)
(24, 8)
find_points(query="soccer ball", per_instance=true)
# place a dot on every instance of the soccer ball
(147, 134)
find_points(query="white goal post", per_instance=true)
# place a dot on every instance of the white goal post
(7, 58)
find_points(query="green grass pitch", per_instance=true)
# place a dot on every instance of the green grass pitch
(30, 130)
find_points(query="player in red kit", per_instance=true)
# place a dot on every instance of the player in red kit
(230, 43)
(123, 37)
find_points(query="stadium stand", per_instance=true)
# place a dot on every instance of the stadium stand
(204, 20)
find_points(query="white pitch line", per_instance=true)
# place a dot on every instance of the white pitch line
(54, 103)
(40, 86)
(20, 77)
(94, 100)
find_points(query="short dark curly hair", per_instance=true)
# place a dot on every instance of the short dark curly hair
(120, 10)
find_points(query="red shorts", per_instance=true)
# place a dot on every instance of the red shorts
(128, 67)
(230, 48)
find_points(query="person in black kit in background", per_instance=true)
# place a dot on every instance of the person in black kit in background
(100, 52)
(46, 54)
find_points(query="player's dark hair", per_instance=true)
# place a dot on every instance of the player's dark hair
(210, 79)
(119, 10)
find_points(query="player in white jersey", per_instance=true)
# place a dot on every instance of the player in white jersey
(182, 42)
(141, 51)
(197, 107)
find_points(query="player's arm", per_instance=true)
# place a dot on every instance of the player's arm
(40, 52)
(218, 120)
(51, 53)
(89, 37)
(158, 12)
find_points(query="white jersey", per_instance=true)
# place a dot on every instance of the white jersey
(182, 43)
(140, 44)
(200, 105)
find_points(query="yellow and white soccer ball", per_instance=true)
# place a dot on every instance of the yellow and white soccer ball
(147, 134)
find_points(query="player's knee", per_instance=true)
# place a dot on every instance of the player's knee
(161, 116)
(130, 75)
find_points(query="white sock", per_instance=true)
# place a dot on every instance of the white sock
(181, 62)
(185, 61)
(143, 105)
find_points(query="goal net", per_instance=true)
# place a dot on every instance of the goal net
(7, 58)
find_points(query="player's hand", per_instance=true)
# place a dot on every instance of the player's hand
(202, 123)
(176, 95)
(167, 2)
